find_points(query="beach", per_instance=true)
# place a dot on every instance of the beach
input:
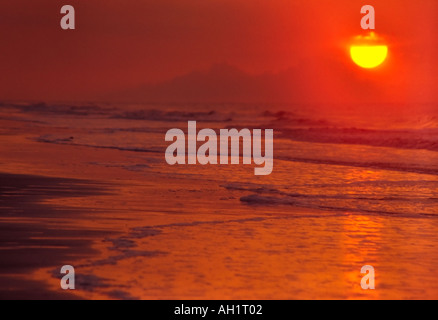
(87, 185)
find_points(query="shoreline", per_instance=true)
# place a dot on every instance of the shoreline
(29, 242)
(134, 227)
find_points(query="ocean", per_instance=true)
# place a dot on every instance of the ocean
(352, 185)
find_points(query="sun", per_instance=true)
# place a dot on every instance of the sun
(368, 51)
(368, 56)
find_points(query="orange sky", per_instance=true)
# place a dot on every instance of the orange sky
(119, 44)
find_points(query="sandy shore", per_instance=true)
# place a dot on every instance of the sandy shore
(35, 235)
(135, 231)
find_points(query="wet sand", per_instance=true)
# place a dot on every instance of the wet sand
(36, 235)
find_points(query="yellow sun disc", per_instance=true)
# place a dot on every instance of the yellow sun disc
(367, 56)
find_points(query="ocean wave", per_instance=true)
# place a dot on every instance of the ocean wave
(70, 141)
(425, 139)
(63, 109)
(256, 199)
(375, 197)
(418, 130)
(290, 118)
(412, 167)
(174, 116)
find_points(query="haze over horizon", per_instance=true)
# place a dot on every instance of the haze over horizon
(122, 45)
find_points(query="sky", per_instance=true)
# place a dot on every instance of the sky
(122, 44)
